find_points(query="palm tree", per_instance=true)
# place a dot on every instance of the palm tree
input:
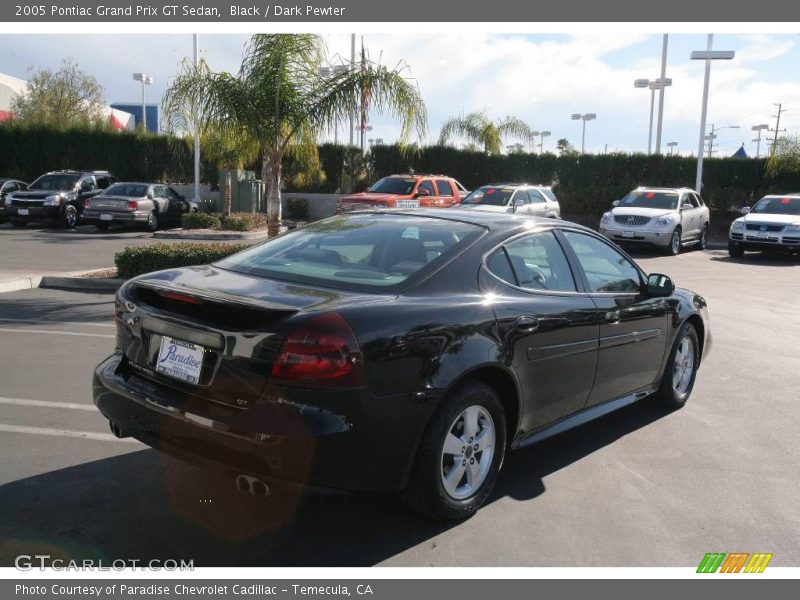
(478, 128)
(280, 99)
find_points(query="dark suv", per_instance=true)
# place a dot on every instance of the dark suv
(57, 195)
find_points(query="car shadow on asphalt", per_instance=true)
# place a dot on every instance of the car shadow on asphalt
(93, 308)
(145, 505)
(761, 258)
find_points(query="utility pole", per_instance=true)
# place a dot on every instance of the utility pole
(661, 93)
(777, 126)
(352, 66)
(196, 54)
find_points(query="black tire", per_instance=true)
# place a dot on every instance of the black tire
(15, 223)
(735, 250)
(702, 244)
(102, 226)
(673, 249)
(425, 492)
(152, 221)
(667, 396)
(69, 217)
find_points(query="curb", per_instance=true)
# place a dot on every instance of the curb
(82, 284)
(20, 283)
(210, 236)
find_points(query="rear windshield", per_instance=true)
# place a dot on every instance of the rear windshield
(645, 199)
(490, 195)
(393, 185)
(787, 205)
(55, 182)
(132, 190)
(367, 252)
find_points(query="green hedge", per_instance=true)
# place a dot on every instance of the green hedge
(200, 220)
(133, 261)
(244, 221)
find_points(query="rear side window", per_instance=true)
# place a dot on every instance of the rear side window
(533, 262)
(444, 187)
(360, 252)
(605, 268)
(535, 196)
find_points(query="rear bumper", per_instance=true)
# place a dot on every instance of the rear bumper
(92, 216)
(660, 238)
(346, 440)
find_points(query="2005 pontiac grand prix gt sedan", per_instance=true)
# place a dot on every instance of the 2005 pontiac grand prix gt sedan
(395, 351)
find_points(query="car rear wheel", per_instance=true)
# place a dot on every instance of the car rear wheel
(674, 247)
(152, 221)
(681, 371)
(735, 250)
(460, 455)
(69, 218)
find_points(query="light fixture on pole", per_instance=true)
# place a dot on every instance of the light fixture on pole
(671, 146)
(759, 128)
(707, 55)
(652, 85)
(145, 79)
(583, 117)
(542, 135)
(661, 92)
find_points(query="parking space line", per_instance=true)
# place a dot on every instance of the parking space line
(78, 323)
(86, 435)
(100, 335)
(46, 404)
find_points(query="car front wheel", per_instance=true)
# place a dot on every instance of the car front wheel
(674, 247)
(681, 371)
(460, 455)
(70, 217)
(735, 250)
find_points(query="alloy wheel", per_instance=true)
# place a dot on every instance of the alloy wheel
(467, 452)
(675, 242)
(683, 366)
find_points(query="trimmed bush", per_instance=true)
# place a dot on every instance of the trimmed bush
(297, 209)
(200, 220)
(136, 260)
(244, 221)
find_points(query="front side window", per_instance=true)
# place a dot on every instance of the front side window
(535, 196)
(606, 269)
(533, 262)
(360, 252)
(88, 184)
(426, 185)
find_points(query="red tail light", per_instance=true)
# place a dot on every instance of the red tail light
(86, 203)
(178, 297)
(133, 204)
(322, 351)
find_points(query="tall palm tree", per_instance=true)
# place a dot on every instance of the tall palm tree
(280, 99)
(479, 129)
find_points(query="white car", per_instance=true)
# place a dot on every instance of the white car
(668, 218)
(772, 224)
(520, 198)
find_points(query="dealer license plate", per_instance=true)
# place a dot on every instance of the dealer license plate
(180, 360)
(106, 217)
(627, 234)
(761, 234)
(408, 204)
(22, 211)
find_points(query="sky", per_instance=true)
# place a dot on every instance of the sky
(541, 79)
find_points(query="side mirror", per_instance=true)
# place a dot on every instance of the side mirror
(659, 285)
(687, 206)
(149, 195)
(745, 210)
(615, 203)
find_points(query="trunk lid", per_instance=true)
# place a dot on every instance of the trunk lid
(239, 320)
(111, 203)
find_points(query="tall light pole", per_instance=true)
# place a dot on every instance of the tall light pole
(708, 55)
(759, 128)
(652, 85)
(713, 135)
(542, 135)
(671, 146)
(583, 117)
(196, 53)
(661, 92)
(145, 79)
(352, 66)
(535, 134)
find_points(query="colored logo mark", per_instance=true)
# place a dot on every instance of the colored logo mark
(735, 562)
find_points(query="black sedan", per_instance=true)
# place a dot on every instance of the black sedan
(7, 186)
(395, 351)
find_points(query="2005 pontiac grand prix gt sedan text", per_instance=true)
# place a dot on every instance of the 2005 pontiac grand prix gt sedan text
(395, 351)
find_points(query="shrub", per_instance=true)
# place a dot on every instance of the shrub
(135, 260)
(244, 221)
(200, 220)
(207, 205)
(297, 209)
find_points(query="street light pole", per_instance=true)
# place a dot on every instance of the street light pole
(145, 79)
(708, 56)
(657, 84)
(671, 146)
(661, 93)
(583, 117)
(542, 135)
(759, 128)
(196, 133)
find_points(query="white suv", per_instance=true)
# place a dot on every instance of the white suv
(521, 198)
(772, 224)
(668, 218)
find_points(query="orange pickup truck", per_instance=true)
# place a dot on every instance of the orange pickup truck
(406, 191)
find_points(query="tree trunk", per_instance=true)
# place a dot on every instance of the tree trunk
(274, 195)
(226, 207)
(265, 177)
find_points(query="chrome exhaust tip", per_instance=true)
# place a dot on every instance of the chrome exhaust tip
(247, 484)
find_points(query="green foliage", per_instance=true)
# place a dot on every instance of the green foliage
(479, 129)
(65, 98)
(200, 220)
(244, 221)
(133, 261)
(297, 209)
(785, 158)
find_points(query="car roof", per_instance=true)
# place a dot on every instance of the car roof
(647, 188)
(77, 172)
(789, 195)
(418, 175)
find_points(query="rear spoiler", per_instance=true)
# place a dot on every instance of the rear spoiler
(159, 286)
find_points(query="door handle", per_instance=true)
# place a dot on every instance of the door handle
(612, 316)
(527, 324)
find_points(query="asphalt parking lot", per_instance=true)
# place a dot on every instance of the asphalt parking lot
(640, 487)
